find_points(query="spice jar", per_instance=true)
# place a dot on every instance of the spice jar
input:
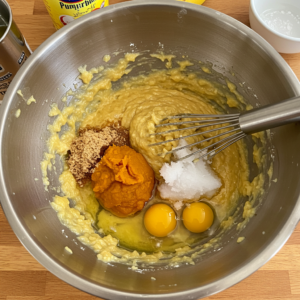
(63, 12)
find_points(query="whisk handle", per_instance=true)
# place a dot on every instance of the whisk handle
(270, 116)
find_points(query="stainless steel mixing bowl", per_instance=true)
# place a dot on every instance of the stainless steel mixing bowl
(189, 29)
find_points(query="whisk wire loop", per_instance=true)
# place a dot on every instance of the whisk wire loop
(231, 136)
(247, 122)
(197, 121)
(234, 135)
(223, 146)
(199, 133)
(195, 127)
(230, 140)
(182, 116)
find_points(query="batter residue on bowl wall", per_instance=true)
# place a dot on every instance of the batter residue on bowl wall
(139, 103)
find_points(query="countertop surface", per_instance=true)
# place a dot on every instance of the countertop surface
(23, 278)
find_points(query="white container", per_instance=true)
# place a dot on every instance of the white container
(277, 21)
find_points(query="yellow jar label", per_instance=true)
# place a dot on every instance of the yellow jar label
(64, 12)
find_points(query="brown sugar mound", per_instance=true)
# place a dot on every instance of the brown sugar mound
(123, 181)
(88, 148)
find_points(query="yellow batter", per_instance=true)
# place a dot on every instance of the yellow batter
(141, 103)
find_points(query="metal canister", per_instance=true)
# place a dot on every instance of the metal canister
(13, 48)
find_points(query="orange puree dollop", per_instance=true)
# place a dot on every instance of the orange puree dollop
(123, 181)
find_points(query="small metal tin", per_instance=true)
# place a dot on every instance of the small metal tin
(13, 48)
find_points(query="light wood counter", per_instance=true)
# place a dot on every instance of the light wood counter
(23, 278)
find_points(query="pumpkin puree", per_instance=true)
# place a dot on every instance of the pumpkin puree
(123, 181)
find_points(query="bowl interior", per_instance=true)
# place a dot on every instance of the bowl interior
(200, 33)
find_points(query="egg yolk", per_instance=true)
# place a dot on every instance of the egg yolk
(197, 217)
(160, 220)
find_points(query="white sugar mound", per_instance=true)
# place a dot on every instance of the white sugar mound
(186, 180)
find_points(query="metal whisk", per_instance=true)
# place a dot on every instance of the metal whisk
(234, 126)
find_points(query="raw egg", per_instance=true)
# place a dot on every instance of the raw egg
(197, 217)
(160, 220)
